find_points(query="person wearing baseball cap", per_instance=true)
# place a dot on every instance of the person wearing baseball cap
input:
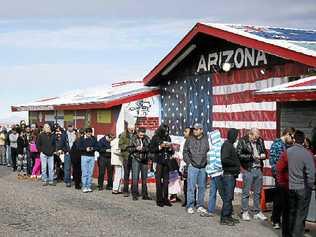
(194, 154)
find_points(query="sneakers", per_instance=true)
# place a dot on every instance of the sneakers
(206, 214)
(235, 220)
(245, 216)
(190, 210)
(276, 226)
(260, 216)
(89, 190)
(85, 190)
(201, 210)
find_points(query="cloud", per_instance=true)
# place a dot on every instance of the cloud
(124, 35)
(237, 11)
(26, 83)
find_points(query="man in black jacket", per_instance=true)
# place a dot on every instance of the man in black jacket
(104, 162)
(46, 145)
(251, 152)
(138, 150)
(231, 169)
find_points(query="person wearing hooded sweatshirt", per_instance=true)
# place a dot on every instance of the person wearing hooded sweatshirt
(214, 170)
(231, 169)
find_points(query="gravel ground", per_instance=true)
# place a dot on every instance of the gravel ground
(29, 209)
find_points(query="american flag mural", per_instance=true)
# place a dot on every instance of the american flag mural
(225, 100)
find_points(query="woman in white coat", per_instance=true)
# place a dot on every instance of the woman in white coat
(117, 162)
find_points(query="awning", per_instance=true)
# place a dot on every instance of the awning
(300, 90)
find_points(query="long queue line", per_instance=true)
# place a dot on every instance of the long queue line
(52, 154)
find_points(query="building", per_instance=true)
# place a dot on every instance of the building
(212, 74)
(105, 109)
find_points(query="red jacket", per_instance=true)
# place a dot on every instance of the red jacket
(282, 173)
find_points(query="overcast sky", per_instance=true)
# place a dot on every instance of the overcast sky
(50, 47)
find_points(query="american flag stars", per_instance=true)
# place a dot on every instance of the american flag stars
(185, 101)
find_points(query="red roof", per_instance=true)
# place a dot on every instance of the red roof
(300, 90)
(275, 47)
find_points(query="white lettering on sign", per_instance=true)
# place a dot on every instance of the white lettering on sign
(241, 57)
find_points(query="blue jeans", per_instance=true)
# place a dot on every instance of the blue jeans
(47, 162)
(216, 184)
(143, 169)
(252, 178)
(67, 169)
(87, 165)
(9, 160)
(228, 182)
(196, 176)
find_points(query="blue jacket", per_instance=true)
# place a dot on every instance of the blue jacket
(277, 147)
(88, 142)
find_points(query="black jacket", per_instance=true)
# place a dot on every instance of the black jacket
(104, 146)
(22, 144)
(88, 142)
(160, 156)
(62, 143)
(139, 155)
(229, 158)
(46, 144)
(245, 151)
(75, 153)
(195, 150)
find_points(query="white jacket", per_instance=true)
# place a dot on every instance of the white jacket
(116, 159)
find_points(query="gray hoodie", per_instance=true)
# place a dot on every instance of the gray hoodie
(195, 150)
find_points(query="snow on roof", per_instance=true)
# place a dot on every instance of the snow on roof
(99, 94)
(298, 45)
(299, 40)
(301, 85)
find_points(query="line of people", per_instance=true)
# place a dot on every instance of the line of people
(58, 154)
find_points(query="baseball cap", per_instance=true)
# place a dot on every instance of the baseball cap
(198, 126)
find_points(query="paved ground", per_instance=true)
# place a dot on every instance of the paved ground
(29, 209)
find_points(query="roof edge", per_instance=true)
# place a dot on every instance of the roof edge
(231, 37)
